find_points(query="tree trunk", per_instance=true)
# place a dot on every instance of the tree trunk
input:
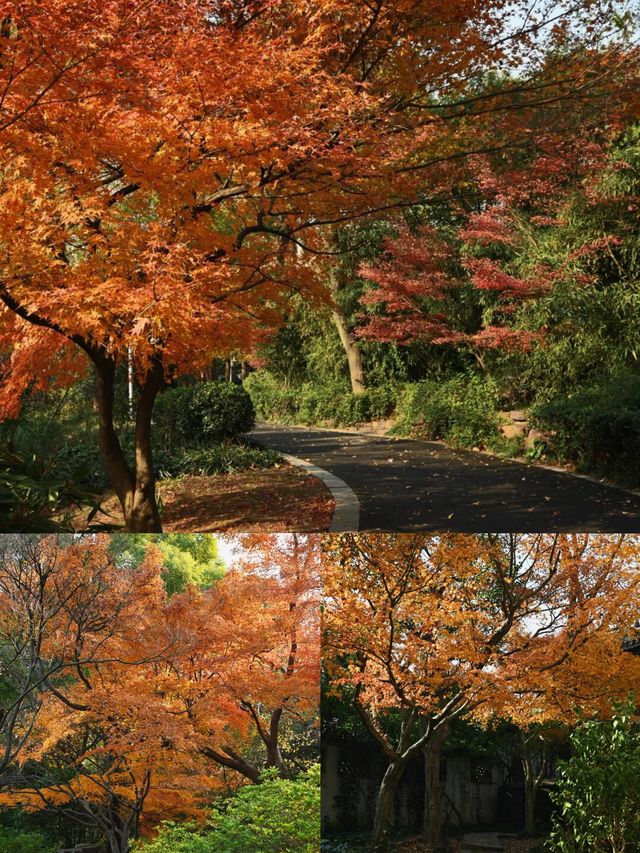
(432, 818)
(532, 780)
(119, 842)
(272, 743)
(143, 515)
(230, 759)
(136, 491)
(530, 790)
(116, 830)
(352, 349)
(385, 805)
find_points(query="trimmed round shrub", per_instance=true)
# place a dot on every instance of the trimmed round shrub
(224, 411)
(209, 412)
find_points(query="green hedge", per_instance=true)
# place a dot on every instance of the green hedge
(597, 429)
(462, 411)
(318, 404)
(22, 841)
(208, 412)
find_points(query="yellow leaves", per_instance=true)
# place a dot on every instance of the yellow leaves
(408, 619)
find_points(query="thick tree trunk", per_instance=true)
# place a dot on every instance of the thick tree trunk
(352, 350)
(272, 743)
(384, 806)
(230, 759)
(119, 841)
(432, 819)
(136, 491)
(143, 515)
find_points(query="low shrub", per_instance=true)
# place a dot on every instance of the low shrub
(463, 411)
(596, 795)
(597, 429)
(272, 400)
(207, 412)
(22, 841)
(222, 410)
(218, 459)
(277, 816)
(30, 493)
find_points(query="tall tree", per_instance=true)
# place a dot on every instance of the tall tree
(429, 628)
(65, 609)
(168, 169)
(204, 682)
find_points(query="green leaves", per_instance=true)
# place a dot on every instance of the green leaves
(277, 816)
(597, 792)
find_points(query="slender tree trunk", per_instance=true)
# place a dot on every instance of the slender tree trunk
(348, 340)
(135, 490)
(432, 819)
(352, 350)
(384, 806)
(530, 790)
(532, 781)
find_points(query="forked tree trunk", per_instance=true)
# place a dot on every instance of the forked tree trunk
(135, 489)
(532, 780)
(119, 839)
(385, 803)
(352, 350)
(432, 818)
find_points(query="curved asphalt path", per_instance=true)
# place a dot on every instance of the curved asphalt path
(407, 485)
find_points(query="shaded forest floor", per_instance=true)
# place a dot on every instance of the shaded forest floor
(275, 499)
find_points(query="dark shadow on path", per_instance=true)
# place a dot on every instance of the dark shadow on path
(406, 485)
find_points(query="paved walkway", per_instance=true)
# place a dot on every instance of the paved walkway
(406, 485)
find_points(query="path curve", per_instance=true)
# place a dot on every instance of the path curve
(405, 485)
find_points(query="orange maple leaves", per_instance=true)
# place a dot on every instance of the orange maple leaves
(158, 694)
(492, 622)
(166, 165)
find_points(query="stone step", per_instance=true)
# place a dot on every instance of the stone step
(471, 847)
(482, 845)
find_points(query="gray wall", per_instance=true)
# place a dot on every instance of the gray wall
(351, 774)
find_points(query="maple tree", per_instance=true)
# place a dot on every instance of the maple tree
(425, 629)
(168, 169)
(262, 669)
(63, 611)
(465, 276)
(206, 681)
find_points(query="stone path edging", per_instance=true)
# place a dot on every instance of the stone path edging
(346, 513)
